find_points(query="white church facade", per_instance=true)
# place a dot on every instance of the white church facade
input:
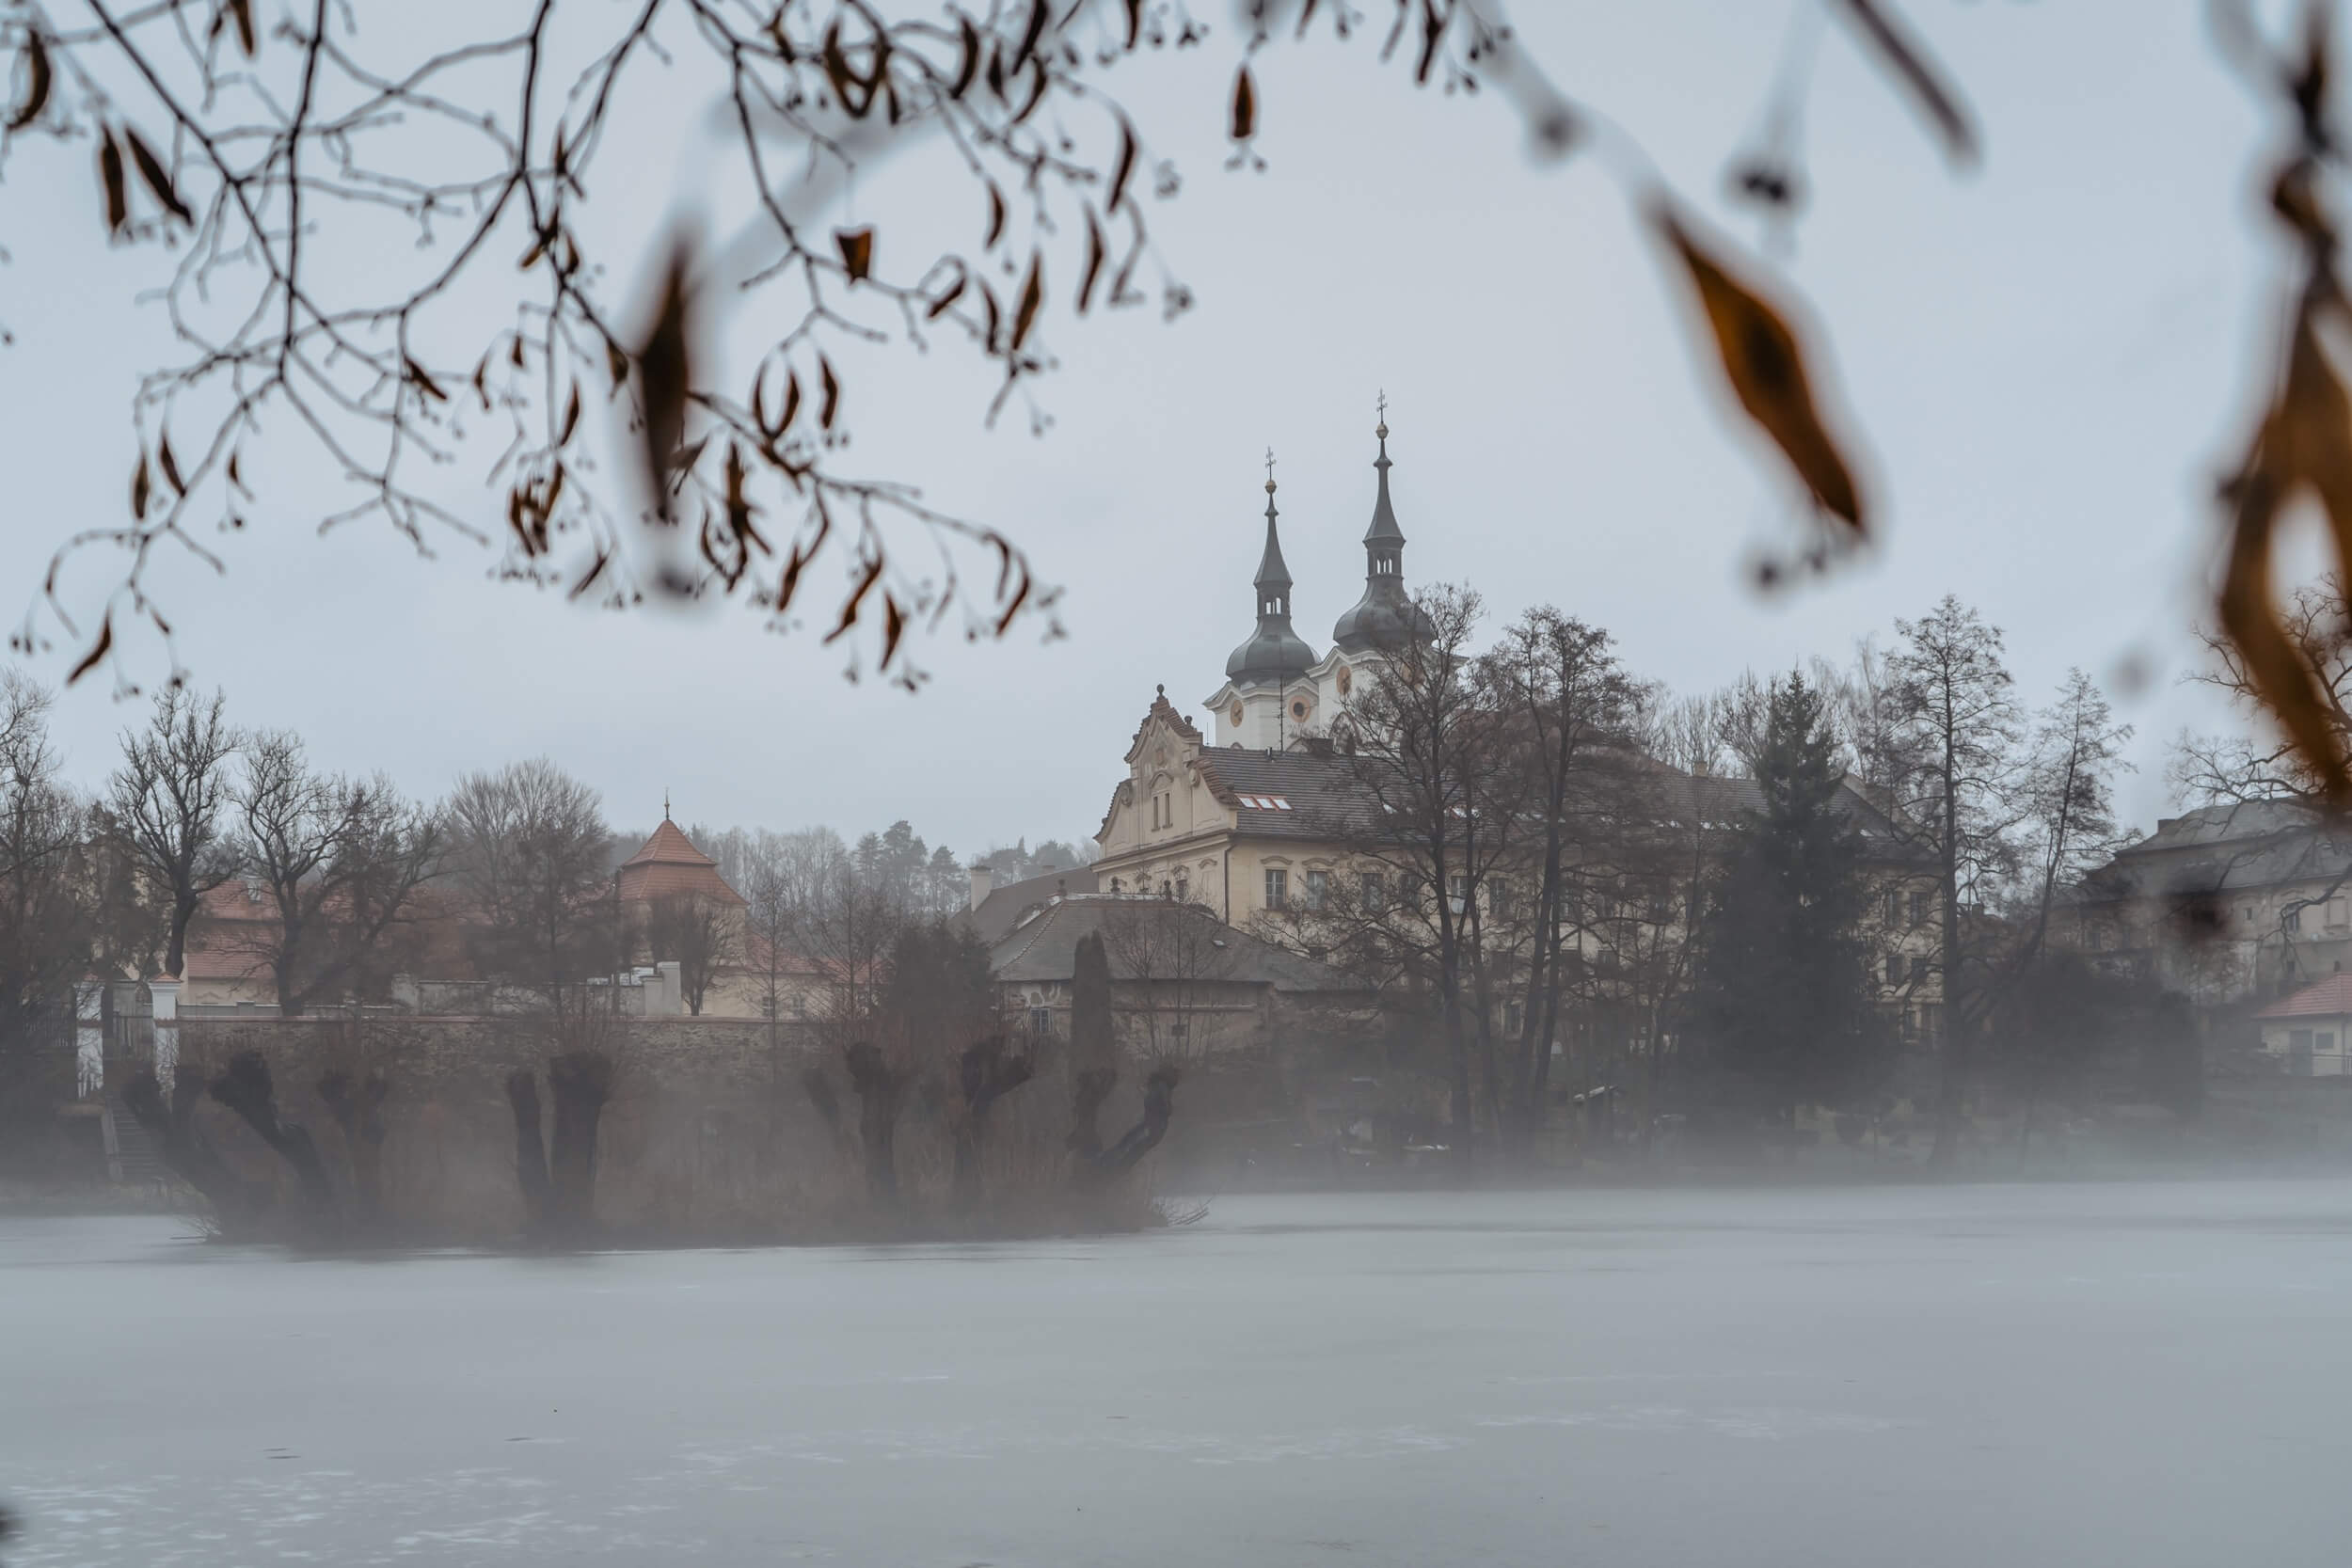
(1255, 818)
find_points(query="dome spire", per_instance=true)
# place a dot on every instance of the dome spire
(1274, 651)
(1384, 529)
(1386, 616)
(1273, 578)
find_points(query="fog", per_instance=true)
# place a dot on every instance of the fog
(2142, 1373)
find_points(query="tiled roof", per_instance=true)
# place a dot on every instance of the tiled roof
(1045, 947)
(1298, 794)
(1004, 907)
(668, 865)
(2328, 998)
(2222, 848)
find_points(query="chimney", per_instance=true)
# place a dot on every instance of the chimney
(983, 883)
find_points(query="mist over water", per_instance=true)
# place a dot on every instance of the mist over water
(2150, 1373)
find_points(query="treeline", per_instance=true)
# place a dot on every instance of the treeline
(345, 881)
(1730, 904)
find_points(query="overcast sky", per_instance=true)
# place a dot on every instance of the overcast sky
(2047, 360)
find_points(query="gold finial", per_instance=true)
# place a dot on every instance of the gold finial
(1269, 470)
(1383, 431)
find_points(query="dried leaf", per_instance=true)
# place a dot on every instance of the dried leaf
(665, 371)
(1135, 23)
(857, 251)
(141, 488)
(1876, 22)
(1766, 366)
(1245, 105)
(968, 66)
(98, 651)
(38, 80)
(235, 478)
(831, 403)
(110, 175)
(941, 306)
(1095, 253)
(2306, 439)
(1040, 13)
(791, 403)
(170, 465)
(995, 216)
(157, 178)
(424, 383)
(866, 579)
(1122, 167)
(571, 418)
(241, 12)
(894, 626)
(1032, 296)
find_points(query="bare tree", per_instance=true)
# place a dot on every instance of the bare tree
(1170, 955)
(341, 860)
(45, 918)
(530, 847)
(250, 156)
(702, 935)
(166, 802)
(1953, 764)
(1571, 716)
(1427, 766)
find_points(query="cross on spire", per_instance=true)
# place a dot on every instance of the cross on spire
(1383, 405)
(1269, 470)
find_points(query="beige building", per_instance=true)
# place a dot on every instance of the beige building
(2227, 904)
(1266, 825)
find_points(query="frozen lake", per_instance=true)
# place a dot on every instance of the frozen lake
(2143, 1374)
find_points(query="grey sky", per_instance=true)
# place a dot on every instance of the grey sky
(2047, 360)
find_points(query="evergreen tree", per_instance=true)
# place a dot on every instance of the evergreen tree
(1783, 993)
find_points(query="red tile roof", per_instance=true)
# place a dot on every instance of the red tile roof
(2325, 999)
(669, 864)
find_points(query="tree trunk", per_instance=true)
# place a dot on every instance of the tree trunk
(882, 1092)
(244, 1085)
(1159, 1105)
(985, 1074)
(359, 1112)
(531, 1151)
(1090, 1088)
(580, 1082)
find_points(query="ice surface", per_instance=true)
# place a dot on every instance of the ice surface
(2142, 1374)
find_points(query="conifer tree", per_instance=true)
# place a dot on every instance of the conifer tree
(1783, 995)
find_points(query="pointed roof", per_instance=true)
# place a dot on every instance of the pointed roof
(1274, 651)
(669, 864)
(1383, 530)
(1386, 617)
(1272, 573)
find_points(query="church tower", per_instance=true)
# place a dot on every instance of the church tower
(1385, 618)
(1267, 696)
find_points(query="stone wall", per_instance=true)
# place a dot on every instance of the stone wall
(710, 1129)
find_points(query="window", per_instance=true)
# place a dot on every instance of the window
(1184, 889)
(1457, 890)
(2292, 920)
(2336, 921)
(1318, 889)
(2325, 1041)
(1278, 888)
(1894, 907)
(1372, 889)
(1895, 969)
(1041, 1021)
(1498, 897)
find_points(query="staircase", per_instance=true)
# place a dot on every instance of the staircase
(131, 1157)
